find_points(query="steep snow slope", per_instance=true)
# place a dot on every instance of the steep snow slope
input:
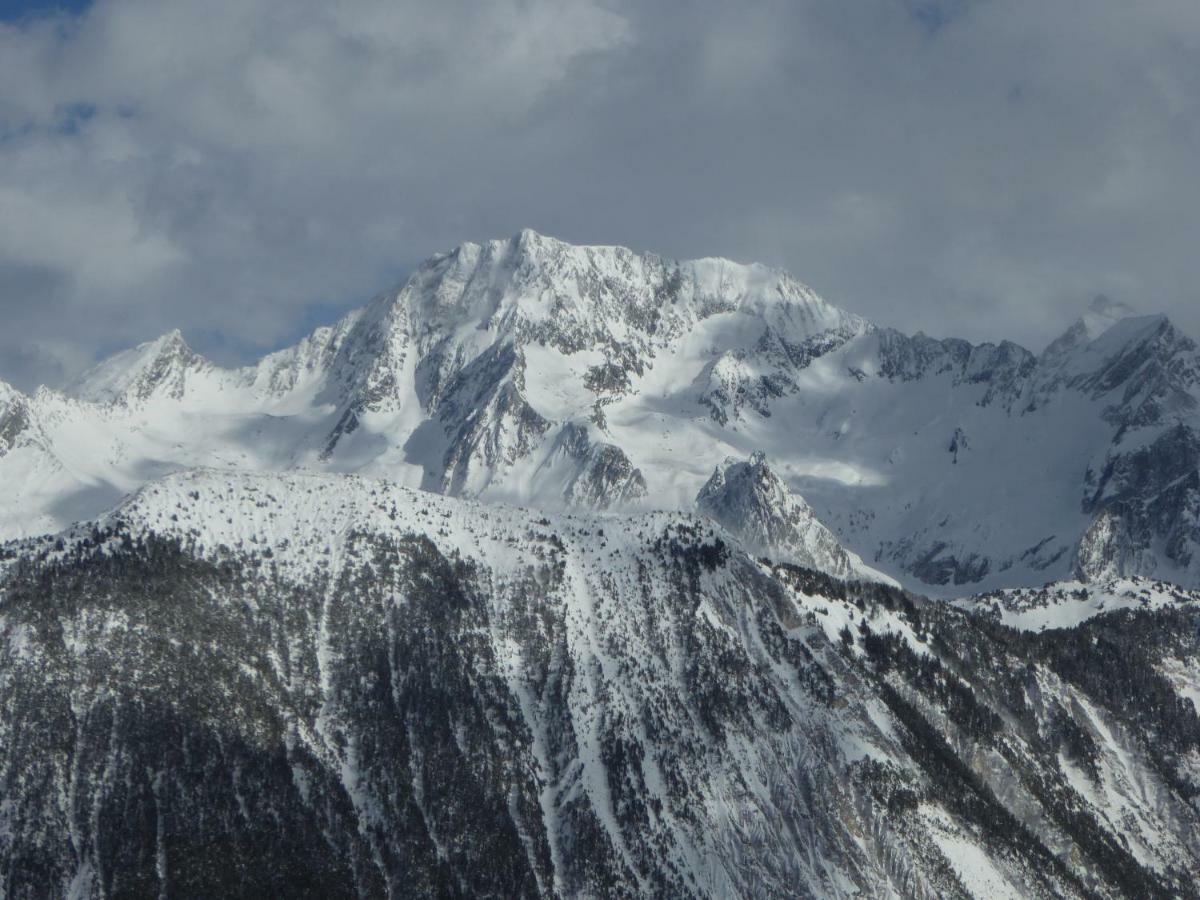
(534, 372)
(335, 685)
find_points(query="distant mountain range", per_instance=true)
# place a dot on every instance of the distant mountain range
(538, 373)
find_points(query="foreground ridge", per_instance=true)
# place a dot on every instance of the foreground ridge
(338, 685)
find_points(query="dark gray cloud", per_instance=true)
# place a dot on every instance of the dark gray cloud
(244, 168)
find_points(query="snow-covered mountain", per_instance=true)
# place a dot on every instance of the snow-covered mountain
(534, 372)
(574, 572)
(246, 684)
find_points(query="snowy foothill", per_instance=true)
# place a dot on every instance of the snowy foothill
(1070, 603)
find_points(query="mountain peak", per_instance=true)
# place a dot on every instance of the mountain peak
(1104, 312)
(527, 237)
(1101, 315)
(753, 503)
(151, 368)
(524, 245)
(173, 339)
(622, 302)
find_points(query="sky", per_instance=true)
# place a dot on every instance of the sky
(247, 169)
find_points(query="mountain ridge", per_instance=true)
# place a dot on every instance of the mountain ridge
(307, 683)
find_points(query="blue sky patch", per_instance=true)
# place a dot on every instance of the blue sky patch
(21, 10)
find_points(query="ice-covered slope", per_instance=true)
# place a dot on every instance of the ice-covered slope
(331, 685)
(536, 372)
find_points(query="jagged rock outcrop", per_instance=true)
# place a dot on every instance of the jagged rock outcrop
(1147, 506)
(1002, 369)
(1106, 550)
(752, 503)
(15, 422)
(597, 475)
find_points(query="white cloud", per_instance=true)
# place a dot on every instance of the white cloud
(222, 165)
